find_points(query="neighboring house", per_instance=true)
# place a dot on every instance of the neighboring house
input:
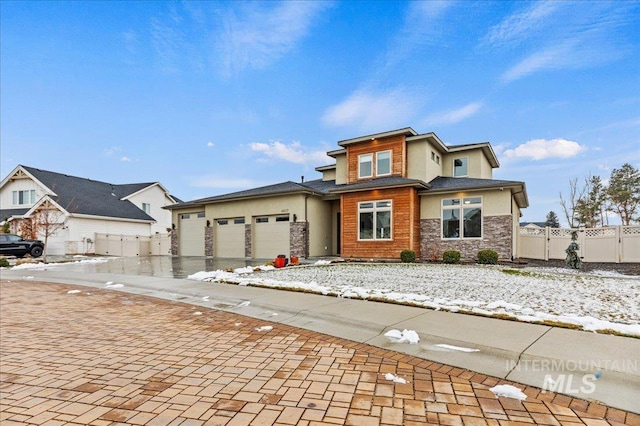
(385, 193)
(533, 225)
(86, 206)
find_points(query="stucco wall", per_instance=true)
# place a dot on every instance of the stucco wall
(494, 203)
(477, 166)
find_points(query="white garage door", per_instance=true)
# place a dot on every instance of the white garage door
(270, 236)
(191, 234)
(229, 238)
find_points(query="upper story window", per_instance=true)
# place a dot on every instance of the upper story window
(462, 218)
(435, 157)
(365, 165)
(382, 164)
(22, 198)
(146, 207)
(374, 219)
(460, 167)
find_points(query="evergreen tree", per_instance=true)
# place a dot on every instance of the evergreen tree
(624, 193)
(552, 220)
(589, 209)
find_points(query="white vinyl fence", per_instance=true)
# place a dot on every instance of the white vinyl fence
(132, 245)
(614, 244)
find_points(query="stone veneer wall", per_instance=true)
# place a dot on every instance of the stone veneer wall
(174, 242)
(208, 241)
(298, 239)
(247, 240)
(497, 235)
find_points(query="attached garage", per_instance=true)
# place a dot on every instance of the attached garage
(270, 236)
(229, 238)
(191, 234)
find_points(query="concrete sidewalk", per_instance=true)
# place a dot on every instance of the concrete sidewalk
(580, 364)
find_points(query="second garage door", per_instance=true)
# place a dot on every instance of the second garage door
(270, 236)
(229, 238)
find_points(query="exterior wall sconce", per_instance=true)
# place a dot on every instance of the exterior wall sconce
(208, 223)
(295, 217)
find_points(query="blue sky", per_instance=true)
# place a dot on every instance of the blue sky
(215, 97)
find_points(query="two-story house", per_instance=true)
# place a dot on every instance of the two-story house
(85, 206)
(386, 192)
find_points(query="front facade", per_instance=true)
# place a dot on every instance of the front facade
(84, 206)
(385, 193)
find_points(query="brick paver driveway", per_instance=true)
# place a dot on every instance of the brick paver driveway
(74, 355)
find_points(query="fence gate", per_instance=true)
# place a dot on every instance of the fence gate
(132, 245)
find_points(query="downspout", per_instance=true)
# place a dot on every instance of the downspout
(306, 229)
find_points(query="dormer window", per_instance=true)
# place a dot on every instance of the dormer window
(460, 167)
(365, 166)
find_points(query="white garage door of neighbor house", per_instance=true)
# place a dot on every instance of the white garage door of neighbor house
(191, 234)
(229, 238)
(270, 236)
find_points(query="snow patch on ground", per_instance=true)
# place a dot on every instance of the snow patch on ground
(508, 391)
(395, 378)
(595, 300)
(456, 348)
(74, 291)
(41, 265)
(264, 328)
(404, 336)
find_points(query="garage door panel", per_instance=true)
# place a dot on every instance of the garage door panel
(191, 234)
(271, 239)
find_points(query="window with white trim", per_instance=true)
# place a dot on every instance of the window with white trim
(462, 218)
(383, 163)
(460, 166)
(146, 207)
(374, 220)
(365, 165)
(23, 198)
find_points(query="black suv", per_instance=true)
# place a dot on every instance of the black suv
(15, 245)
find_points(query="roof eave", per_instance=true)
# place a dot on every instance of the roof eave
(407, 131)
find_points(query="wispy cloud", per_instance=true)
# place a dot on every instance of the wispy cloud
(370, 111)
(453, 116)
(520, 25)
(540, 149)
(559, 35)
(263, 32)
(423, 24)
(112, 150)
(210, 144)
(292, 153)
(126, 159)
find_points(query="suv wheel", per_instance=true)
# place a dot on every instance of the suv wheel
(36, 251)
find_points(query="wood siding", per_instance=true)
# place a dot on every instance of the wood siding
(395, 144)
(405, 231)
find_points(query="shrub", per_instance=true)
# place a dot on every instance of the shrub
(4, 263)
(488, 257)
(451, 256)
(408, 256)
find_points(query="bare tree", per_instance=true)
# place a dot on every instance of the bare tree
(46, 221)
(569, 204)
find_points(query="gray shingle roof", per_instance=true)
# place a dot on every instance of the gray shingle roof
(85, 196)
(385, 182)
(453, 184)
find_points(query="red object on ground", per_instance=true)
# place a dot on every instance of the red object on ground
(280, 262)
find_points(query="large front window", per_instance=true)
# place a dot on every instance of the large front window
(21, 198)
(374, 218)
(462, 218)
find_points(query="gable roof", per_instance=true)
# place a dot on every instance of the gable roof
(88, 197)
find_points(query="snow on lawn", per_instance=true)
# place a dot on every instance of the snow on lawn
(42, 265)
(595, 300)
